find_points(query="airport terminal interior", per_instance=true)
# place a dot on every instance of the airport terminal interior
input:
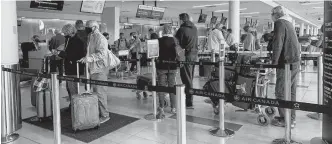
(39, 21)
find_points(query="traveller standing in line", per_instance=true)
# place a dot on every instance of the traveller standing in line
(29, 46)
(135, 46)
(74, 51)
(286, 50)
(153, 35)
(107, 36)
(98, 61)
(81, 33)
(249, 40)
(229, 37)
(188, 38)
(121, 43)
(56, 44)
(166, 73)
(216, 38)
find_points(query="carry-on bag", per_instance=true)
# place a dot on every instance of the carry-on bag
(205, 70)
(40, 84)
(213, 86)
(84, 108)
(245, 86)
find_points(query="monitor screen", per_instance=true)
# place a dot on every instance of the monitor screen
(202, 18)
(50, 4)
(96, 7)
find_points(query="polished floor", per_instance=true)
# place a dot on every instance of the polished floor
(124, 102)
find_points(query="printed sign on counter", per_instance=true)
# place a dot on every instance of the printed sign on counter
(153, 48)
(327, 72)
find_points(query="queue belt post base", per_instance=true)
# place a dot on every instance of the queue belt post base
(222, 133)
(317, 140)
(284, 141)
(315, 116)
(151, 117)
(9, 138)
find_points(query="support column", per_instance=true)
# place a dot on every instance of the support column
(301, 29)
(308, 30)
(11, 119)
(311, 31)
(294, 23)
(111, 17)
(234, 19)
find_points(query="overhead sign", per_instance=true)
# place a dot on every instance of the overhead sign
(50, 4)
(150, 12)
(92, 6)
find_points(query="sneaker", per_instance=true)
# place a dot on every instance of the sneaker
(190, 107)
(161, 114)
(104, 119)
(173, 110)
(280, 122)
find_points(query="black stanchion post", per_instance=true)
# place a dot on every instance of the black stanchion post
(56, 108)
(138, 63)
(318, 116)
(221, 131)
(181, 114)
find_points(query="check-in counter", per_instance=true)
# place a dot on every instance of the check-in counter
(36, 57)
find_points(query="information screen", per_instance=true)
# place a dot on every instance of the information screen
(50, 4)
(150, 12)
(152, 48)
(327, 73)
(91, 6)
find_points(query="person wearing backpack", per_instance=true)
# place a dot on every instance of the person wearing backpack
(166, 73)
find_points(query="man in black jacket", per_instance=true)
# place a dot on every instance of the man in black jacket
(286, 50)
(187, 36)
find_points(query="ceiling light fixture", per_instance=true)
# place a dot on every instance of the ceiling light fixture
(247, 16)
(249, 13)
(312, 3)
(317, 7)
(227, 10)
(200, 6)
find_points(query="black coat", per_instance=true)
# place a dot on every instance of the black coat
(188, 37)
(166, 52)
(74, 52)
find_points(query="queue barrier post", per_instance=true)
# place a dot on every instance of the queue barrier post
(152, 116)
(138, 63)
(318, 116)
(181, 114)
(56, 108)
(221, 131)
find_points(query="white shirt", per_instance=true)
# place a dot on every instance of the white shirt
(215, 39)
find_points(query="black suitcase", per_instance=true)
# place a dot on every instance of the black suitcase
(245, 86)
(205, 70)
(213, 86)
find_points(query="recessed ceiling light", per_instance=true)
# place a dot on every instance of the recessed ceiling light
(249, 13)
(247, 16)
(312, 3)
(317, 7)
(200, 6)
(227, 10)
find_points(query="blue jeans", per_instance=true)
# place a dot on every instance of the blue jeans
(101, 92)
(280, 85)
(166, 78)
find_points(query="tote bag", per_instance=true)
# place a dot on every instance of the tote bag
(113, 61)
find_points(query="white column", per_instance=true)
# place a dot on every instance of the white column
(294, 23)
(9, 39)
(234, 19)
(301, 29)
(308, 30)
(111, 17)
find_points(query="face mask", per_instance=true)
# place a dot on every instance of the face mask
(134, 37)
(88, 30)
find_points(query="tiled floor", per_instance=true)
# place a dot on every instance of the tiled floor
(124, 102)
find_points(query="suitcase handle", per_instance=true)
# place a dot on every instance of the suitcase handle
(78, 76)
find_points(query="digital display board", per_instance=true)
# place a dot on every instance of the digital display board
(150, 12)
(91, 6)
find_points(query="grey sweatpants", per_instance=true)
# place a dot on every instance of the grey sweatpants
(101, 92)
(166, 78)
(280, 85)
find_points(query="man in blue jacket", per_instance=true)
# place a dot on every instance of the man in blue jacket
(286, 50)
(187, 36)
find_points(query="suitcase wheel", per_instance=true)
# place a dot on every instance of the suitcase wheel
(263, 120)
(138, 95)
(270, 111)
(145, 95)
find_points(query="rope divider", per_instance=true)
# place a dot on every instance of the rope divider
(199, 92)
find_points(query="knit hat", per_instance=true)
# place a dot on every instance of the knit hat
(68, 29)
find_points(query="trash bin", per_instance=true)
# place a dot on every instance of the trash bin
(11, 118)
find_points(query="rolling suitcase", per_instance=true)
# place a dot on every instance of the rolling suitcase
(45, 69)
(202, 71)
(84, 108)
(44, 104)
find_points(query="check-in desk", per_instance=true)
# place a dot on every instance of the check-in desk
(36, 57)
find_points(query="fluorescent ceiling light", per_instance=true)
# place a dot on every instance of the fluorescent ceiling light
(247, 16)
(200, 6)
(249, 13)
(227, 10)
(317, 7)
(312, 3)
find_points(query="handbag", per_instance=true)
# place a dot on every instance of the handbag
(41, 83)
(113, 61)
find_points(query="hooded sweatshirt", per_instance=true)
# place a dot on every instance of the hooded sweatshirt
(187, 36)
(285, 44)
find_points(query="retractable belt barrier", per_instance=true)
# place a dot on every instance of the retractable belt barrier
(199, 92)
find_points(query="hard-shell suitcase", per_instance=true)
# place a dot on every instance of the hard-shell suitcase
(44, 104)
(45, 69)
(245, 86)
(84, 108)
